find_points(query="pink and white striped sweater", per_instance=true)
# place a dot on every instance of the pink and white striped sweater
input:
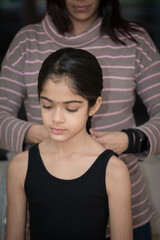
(125, 69)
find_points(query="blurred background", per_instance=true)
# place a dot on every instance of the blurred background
(14, 14)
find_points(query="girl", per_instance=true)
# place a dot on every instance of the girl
(71, 183)
(130, 64)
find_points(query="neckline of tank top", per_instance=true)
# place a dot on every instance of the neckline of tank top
(88, 171)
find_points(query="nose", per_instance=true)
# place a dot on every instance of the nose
(57, 115)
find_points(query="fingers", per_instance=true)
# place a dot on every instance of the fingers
(96, 133)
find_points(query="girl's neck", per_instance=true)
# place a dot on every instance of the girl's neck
(77, 143)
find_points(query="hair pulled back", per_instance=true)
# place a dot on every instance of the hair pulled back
(81, 67)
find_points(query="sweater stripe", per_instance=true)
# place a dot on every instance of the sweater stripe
(114, 124)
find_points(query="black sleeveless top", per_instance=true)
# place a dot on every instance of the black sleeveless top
(67, 209)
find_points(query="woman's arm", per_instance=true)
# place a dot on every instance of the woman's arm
(119, 198)
(36, 134)
(16, 198)
(147, 79)
(12, 95)
(15, 90)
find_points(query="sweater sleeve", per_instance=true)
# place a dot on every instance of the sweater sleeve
(12, 94)
(148, 88)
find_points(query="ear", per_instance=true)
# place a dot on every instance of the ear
(96, 106)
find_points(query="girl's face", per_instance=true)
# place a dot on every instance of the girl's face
(82, 10)
(64, 113)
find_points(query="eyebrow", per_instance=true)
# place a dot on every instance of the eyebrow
(66, 102)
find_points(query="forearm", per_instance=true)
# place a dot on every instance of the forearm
(12, 132)
(152, 131)
(15, 132)
(137, 140)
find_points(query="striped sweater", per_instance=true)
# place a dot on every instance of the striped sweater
(126, 69)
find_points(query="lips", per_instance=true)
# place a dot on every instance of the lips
(57, 131)
(81, 8)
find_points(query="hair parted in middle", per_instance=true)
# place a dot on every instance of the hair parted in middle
(81, 67)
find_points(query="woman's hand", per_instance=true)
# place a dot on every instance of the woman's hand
(36, 134)
(116, 141)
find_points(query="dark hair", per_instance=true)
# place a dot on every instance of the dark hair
(81, 67)
(109, 10)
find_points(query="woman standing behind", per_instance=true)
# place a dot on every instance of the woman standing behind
(130, 62)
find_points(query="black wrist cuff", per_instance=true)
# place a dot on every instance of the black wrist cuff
(130, 140)
(137, 140)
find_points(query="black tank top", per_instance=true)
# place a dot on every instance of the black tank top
(67, 209)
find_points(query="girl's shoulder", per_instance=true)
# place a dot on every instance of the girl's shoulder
(117, 173)
(20, 158)
(116, 166)
(18, 165)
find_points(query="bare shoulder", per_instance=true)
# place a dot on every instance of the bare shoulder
(117, 172)
(19, 160)
(116, 166)
(18, 165)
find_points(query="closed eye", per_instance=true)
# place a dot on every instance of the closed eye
(72, 109)
(47, 107)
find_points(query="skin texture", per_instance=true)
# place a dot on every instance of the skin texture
(67, 153)
(66, 115)
(82, 14)
(119, 194)
(16, 198)
(117, 141)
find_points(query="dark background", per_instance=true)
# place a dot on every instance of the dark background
(14, 14)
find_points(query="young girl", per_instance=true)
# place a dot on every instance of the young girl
(70, 182)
